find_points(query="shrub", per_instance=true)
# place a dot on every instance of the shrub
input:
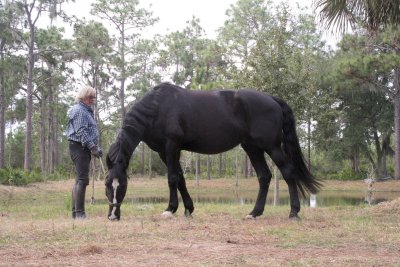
(347, 174)
(18, 177)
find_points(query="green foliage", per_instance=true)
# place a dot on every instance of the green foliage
(261, 45)
(15, 148)
(19, 177)
(347, 174)
(92, 41)
(280, 52)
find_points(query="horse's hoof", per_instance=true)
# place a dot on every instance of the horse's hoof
(113, 219)
(167, 215)
(188, 214)
(250, 217)
(294, 217)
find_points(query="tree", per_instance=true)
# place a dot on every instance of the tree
(128, 19)
(247, 19)
(366, 104)
(372, 14)
(271, 49)
(8, 64)
(376, 18)
(50, 76)
(94, 45)
(31, 11)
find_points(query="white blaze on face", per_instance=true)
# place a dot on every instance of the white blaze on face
(115, 185)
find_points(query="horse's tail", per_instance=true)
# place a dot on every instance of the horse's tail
(305, 181)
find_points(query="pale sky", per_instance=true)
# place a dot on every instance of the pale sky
(173, 14)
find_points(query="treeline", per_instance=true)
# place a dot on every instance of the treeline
(344, 99)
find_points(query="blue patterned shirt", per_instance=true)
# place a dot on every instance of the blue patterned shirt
(82, 126)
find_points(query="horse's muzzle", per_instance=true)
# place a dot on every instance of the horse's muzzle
(114, 211)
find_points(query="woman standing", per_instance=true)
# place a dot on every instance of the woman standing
(83, 137)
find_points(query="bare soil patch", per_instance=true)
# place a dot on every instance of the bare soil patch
(216, 236)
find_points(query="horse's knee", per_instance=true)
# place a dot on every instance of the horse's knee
(265, 180)
(173, 180)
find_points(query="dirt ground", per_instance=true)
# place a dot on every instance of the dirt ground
(222, 242)
(366, 236)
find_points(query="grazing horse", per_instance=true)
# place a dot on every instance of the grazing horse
(170, 119)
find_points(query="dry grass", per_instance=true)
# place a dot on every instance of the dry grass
(35, 230)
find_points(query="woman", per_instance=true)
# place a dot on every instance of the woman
(83, 137)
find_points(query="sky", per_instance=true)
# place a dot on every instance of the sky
(173, 14)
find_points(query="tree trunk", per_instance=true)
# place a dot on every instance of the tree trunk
(276, 185)
(150, 164)
(397, 134)
(123, 74)
(237, 166)
(309, 144)
(29, 87)
(29, 102)
(246, 167)
(385, 149)
(208, 168)
(396, 103)
(52, 131)
(2, 122)
(378, 149)
(142, 159)
(197, 169)
(355, 159)
(220, 165)
(43, 134)
(2, 110)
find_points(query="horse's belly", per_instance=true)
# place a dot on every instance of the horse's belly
(212, 143)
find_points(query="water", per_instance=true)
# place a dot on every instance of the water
(323, 199)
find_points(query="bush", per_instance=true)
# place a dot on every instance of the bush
(61, 173)
(347, 174)
(19, 177)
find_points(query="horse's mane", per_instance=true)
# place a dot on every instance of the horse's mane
(139, 116)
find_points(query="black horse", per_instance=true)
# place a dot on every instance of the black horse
(170, 119)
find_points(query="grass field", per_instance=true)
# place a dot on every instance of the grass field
(36, 230)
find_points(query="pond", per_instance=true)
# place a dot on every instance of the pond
(323, 199)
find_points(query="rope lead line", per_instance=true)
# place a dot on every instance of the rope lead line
(93, 177)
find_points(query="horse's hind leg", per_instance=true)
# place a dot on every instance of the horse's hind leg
(264, 175)
(288, 172)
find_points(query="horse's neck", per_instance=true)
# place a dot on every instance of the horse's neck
(129, 140)
(136, 122)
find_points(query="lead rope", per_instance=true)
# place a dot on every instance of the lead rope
(93, 177)
(93, 174)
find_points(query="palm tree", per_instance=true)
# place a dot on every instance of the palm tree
(370, 14)
(373, 16)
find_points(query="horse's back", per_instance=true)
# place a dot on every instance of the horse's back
(215, 121)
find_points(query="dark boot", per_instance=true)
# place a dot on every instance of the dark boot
(79, 200)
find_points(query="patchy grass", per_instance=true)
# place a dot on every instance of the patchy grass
(36, 230)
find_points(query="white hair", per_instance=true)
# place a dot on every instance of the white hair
(84, 92)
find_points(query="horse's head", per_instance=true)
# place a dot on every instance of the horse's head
(116, 185)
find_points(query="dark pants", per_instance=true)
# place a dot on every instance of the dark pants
(81, 157)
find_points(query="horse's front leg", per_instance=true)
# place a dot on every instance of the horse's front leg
(187, 200)
(172, 153)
